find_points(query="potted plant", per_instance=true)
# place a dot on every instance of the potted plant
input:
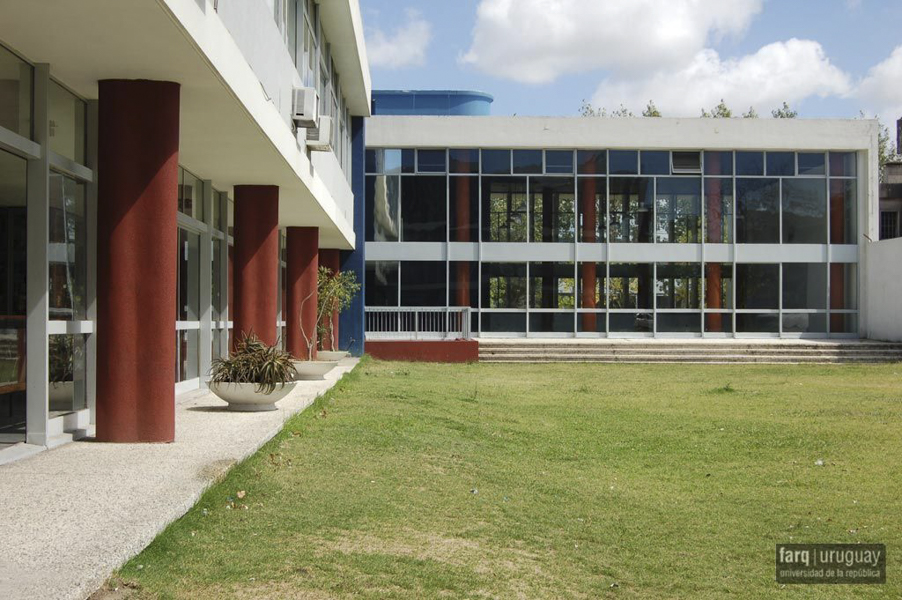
(336, 294)
(330, 291)
(254, 377)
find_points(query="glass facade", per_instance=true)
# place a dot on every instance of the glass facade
(614, 210)
(13, 305)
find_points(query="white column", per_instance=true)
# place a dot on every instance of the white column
(38, 272)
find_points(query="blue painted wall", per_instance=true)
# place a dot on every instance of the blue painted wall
(432, 103)
(351, 321)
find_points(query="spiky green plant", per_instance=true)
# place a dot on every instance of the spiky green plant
(255, 362)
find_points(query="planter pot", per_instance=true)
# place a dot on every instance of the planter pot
(313, 370)
(335, 355)
(243, 397)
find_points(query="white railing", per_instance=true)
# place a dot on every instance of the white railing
(417, 323)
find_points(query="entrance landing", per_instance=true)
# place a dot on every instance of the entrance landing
(75, 513)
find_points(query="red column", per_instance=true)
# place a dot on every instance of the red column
(587, 194)
(256, 262)
(331, 259)
(714, 271)
(462, 211)
(138, 156)
(303, 264)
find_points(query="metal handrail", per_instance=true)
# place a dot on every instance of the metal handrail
(417, 322)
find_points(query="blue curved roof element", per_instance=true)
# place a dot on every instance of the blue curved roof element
(432, 103)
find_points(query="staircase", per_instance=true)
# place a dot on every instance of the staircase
(688, 351)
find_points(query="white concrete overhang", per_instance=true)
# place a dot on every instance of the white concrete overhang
(626, 133)
(230, 132)
(343, 25)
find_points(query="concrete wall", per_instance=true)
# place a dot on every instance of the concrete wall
(883, 304)
(450, 351)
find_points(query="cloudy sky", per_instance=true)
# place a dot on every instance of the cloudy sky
(827, 58)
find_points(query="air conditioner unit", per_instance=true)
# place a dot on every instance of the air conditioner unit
(320, 137)
(304, 107)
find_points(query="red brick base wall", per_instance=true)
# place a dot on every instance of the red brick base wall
(452, 351)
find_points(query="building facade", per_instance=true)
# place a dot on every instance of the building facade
(171, 174)
(582, 227)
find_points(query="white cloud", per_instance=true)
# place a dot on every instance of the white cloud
(881, 89)
(535, 41)
(790, 71)
(404, 47)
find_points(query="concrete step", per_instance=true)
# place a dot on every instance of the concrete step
(677, 358)
(693, 350)
(639, 351)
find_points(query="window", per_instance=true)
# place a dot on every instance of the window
(464, 208)
(718, 286)
(678, 286)
(504, 209)
(381, 283)
(463, 284)
(464, 161)
(749, 163)
(67, 373)
(889, 224)
(624, 162)
(551, 207)
(591, 162)
(655, 162)
(527, 161)
(68, 251)
(559, 161)
(811, 163)
(804, 211)
(423, 208)
(686, 162)
(189, 276)
(843, 164)
(781, 164)
(67, 115)
(383, 203)
(15, 107)
(805, 286)
(191, 195)
(503, 285)
(423, 283)
(591, 280)
(431, 161)
(758, 286)
(718, 163)
(679, 210)
(496, 162)
(718, 210)
(757, 211)
(631, 209)
(552, 285)
(631, 285)
(844, 211)
(593, 204)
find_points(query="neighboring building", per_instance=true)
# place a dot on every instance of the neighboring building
(158, 162)
(891, 194)
(591, 227)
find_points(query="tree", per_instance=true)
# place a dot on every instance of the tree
(886, 149)
(751, 114)
(721, 111)
(784, 112)
(588, 110)
(651, 110)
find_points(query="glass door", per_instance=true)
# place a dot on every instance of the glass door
(12, 298)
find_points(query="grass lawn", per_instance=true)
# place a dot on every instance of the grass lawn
(550, 481)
